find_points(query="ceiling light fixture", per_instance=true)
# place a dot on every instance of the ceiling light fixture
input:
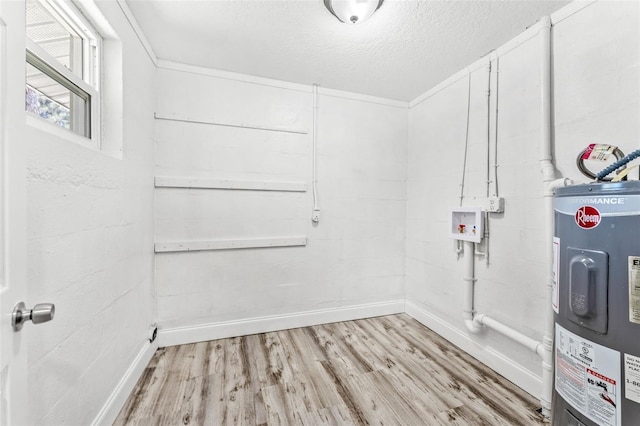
(352, 11)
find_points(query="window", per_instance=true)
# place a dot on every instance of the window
(62, 67)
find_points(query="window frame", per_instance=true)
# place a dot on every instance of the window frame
(87, 86)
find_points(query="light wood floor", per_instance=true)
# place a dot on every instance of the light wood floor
(386, 370)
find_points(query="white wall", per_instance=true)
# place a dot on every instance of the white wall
(90, 251)
(597, 83)
(596, 93)
(355, 254)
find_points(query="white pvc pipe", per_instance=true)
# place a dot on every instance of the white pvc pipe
(548, 175)
(473, 321)
(547, 339)
(469, 279)
(551, 182)
(532, 344)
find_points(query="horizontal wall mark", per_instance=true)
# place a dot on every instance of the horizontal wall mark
(214, 183)
(168, 247)
(220, 123)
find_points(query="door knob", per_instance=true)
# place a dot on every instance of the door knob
(42, 312)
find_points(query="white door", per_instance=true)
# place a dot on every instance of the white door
(13, 259)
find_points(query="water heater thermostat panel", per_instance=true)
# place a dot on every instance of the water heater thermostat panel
(588, 288)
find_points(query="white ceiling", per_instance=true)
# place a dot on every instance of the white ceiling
(406, 48)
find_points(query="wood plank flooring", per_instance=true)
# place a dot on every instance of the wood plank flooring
(386, 370)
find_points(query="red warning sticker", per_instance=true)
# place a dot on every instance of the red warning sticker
(587, 217)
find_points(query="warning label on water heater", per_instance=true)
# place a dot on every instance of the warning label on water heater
(588, 377)
(598, 151)
(634, 289)
(632, 377)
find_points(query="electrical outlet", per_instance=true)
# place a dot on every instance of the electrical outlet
(495, 204)
(315, 216)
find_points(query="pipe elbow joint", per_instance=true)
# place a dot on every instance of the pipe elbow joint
(473, 325)
(548, 170)
(552, 185)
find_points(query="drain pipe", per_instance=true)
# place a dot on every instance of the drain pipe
(551, 181)
(548, 171)
(474, 321)
(469, 312)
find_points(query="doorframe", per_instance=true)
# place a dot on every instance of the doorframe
(13, 219)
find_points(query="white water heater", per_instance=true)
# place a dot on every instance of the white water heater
(596, 299)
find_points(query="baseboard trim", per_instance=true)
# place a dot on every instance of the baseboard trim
(495, 360)
(502, 364)
(118, 397)
(221, 330)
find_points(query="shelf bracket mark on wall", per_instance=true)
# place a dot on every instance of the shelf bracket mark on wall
(181, 246)
(172, 117)
(237, 184)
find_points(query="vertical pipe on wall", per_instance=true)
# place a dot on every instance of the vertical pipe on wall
(469, 278)
(548, 175)
(551, 182)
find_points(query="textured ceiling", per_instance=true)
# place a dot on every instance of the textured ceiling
(406, 48)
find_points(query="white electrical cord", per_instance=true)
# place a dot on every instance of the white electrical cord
(488, 127)
(485, 215)
(495, 152)
(315, 217)
(466, 138)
